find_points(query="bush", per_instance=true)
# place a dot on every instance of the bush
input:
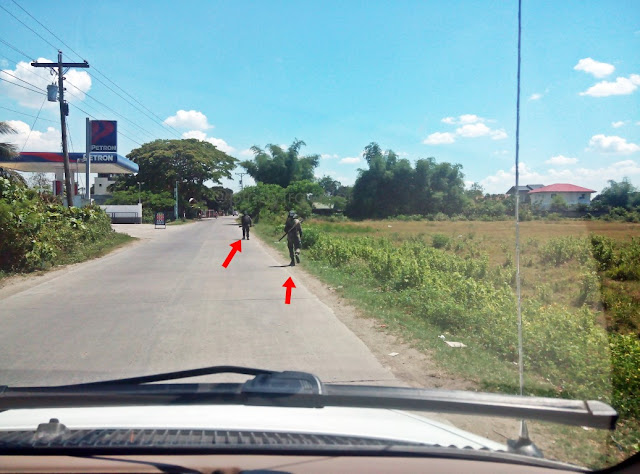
(440, 241)
(36, 232)
(625, 361)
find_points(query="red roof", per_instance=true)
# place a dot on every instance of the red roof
(562, 188)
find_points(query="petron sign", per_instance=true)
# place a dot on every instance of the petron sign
(104, 136)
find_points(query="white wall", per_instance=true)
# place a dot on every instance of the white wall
(100, 186)
(124, 208)
(543, 200)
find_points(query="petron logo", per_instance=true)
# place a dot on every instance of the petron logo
(97, 158)
(104, 135)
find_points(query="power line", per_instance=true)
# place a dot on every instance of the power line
(29, 28)
(21, 80)
(50, 32)
(19, 51)
(28, 115)
(109, 108)
(18, 85)
(34, 124)
(165, 127)
(94, 118)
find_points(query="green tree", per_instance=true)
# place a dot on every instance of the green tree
(558, 203)
(189, 162)
(619, 194)
(282, 167)
(9, 151)
(329, 185)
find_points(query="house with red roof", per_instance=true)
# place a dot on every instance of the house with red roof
(572, 194)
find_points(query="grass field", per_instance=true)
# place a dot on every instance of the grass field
(457, 279)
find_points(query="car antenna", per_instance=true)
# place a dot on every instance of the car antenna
(523, 445)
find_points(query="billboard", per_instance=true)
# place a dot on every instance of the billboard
(104, 136)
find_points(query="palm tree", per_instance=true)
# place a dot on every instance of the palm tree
(7, 152)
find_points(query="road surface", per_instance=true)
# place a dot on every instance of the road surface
(166, 303)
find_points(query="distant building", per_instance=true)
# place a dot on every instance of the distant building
(523, 191)
(572, 194)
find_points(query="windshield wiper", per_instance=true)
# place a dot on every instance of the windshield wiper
(301, 389)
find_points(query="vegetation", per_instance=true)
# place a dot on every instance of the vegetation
(457, 279)
(191, 163)
(281, 167)
(38, 232)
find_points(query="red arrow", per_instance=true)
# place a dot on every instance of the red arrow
(235, 247)
(288, 285)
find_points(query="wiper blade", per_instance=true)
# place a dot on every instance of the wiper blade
(182, 374)
(301, 389)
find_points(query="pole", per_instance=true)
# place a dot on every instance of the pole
(175, 206)
(63, 126)
(139, 191)
(88, 156)
(63, 122)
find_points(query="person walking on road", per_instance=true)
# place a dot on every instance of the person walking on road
(246, 222)
(293, 229)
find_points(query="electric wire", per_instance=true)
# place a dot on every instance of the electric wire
(21, 80)
(17, 50)
(94, 118)
(165, 127)
(29, 28)
(34, 124)
(27, 115)
(20, 85)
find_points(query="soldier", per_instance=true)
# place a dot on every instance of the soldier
(246, 223)
(293, 229)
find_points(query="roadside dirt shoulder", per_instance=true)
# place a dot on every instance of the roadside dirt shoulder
(408, 365)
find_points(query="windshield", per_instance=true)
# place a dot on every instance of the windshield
(328, 187)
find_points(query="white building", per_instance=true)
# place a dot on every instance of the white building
(572, 195)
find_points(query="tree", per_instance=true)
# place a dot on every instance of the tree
(619, 194)
(281, 167)
(9, 151)
(558, 203)
(392, 186)
(329, 185)
(190, 162)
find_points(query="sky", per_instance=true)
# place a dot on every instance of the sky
(423, 78)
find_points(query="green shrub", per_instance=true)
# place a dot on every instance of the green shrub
(439, 241)
(625, 361)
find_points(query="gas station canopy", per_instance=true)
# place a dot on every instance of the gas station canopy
(46, 162)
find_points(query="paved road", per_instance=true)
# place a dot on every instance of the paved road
(165, 303)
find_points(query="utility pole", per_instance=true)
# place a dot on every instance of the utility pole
(64, 111)
(241, 175)
(175, 206)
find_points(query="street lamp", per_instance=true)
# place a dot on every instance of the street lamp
(140, 191)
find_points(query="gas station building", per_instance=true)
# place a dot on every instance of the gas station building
(104, 164)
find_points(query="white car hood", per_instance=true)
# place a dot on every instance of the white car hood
(365, 422)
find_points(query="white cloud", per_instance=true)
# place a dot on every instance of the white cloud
(621, 86)
(619, 124)
(247, 152)
(462, 119)
(349, 160)
(500, 134)
(39, 78)
(593, 178)
(327, 156)
(219, 143)
(612, 144)
(501, 152)
(439, 138)
(50, 140)
(561, 160)
(473, 130)
(535, 96)
(4, 63)
(192, 119)
(596, 68)
(472, 126)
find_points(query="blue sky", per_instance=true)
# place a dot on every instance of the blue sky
(422, 78)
